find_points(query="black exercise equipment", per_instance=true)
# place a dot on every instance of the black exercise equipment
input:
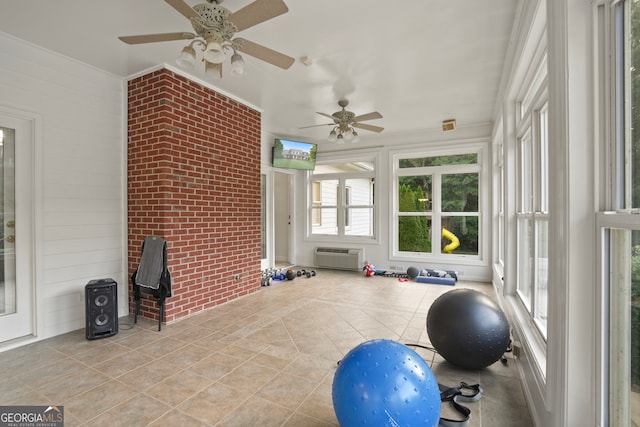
(152, 275)
(468, 329)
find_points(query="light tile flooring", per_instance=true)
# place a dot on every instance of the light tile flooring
(264, 360)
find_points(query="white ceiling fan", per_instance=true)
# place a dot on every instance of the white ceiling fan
(215, 28)
(345, 121)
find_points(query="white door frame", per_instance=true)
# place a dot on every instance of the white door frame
(22, 324)
(282, 216)
(270, 260)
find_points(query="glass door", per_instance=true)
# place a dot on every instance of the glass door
(8, 217)
(16, 259)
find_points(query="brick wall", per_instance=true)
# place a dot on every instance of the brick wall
(194, 178)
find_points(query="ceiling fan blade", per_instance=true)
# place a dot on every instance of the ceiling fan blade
(370, 116)
(183, 8)
(329, 116)
(255, 13)
(152, 38)
(367, 127)
(264, 53)
(315, 126)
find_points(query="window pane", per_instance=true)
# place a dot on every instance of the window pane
(316, 218)
(635, 327)
(328, 192)
(459, 159)
(327, 221)
(525, 261)
(501, 241)
(414, 234)
(542, 275)
(358, 217)
(526, 174)
(544, 161)
(634, 70)
(347, 202)
(501, 186)
(324, 211)
(460, 192)
(460, 235)
(359, 192)
(359, 221)
(9, 294)
(624, 295)
(414, 193)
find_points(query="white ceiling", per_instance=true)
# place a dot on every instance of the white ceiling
(417, 62)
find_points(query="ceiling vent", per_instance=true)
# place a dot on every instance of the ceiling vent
(448, 125)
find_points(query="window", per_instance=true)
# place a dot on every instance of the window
(532, 210)
(500, 200)
(621, 241)
(437, 201)
(618, 219)
(342, 199)
(316, 201)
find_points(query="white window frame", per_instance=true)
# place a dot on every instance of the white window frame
(530, 94)
(452, 148)
(532, 208)
(500, 192)
(342, 207)
(616, 218)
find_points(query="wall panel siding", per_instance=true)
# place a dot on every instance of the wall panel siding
(80, 185)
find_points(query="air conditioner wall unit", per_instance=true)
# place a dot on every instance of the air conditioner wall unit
(339, 258)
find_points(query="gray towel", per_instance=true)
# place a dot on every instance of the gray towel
(151, 260)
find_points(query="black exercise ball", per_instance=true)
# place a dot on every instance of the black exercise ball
(413, 272)
(468, 329)
(290, 274)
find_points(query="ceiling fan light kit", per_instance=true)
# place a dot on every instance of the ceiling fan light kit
(187, 58)
(212, 71)
(215, 28)
(237, 64)
(214, 52)
(345, 122)
(342, 134)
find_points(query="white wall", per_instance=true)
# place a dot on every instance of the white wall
(80, 176)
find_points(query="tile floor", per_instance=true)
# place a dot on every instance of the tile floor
(264, 360)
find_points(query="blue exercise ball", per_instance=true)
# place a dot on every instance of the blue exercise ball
(468, 329)
(385, 383)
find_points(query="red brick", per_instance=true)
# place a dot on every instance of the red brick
(193, 178)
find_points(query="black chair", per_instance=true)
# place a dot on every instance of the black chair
(152, 275)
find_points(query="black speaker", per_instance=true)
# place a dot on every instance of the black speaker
(101, 308)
